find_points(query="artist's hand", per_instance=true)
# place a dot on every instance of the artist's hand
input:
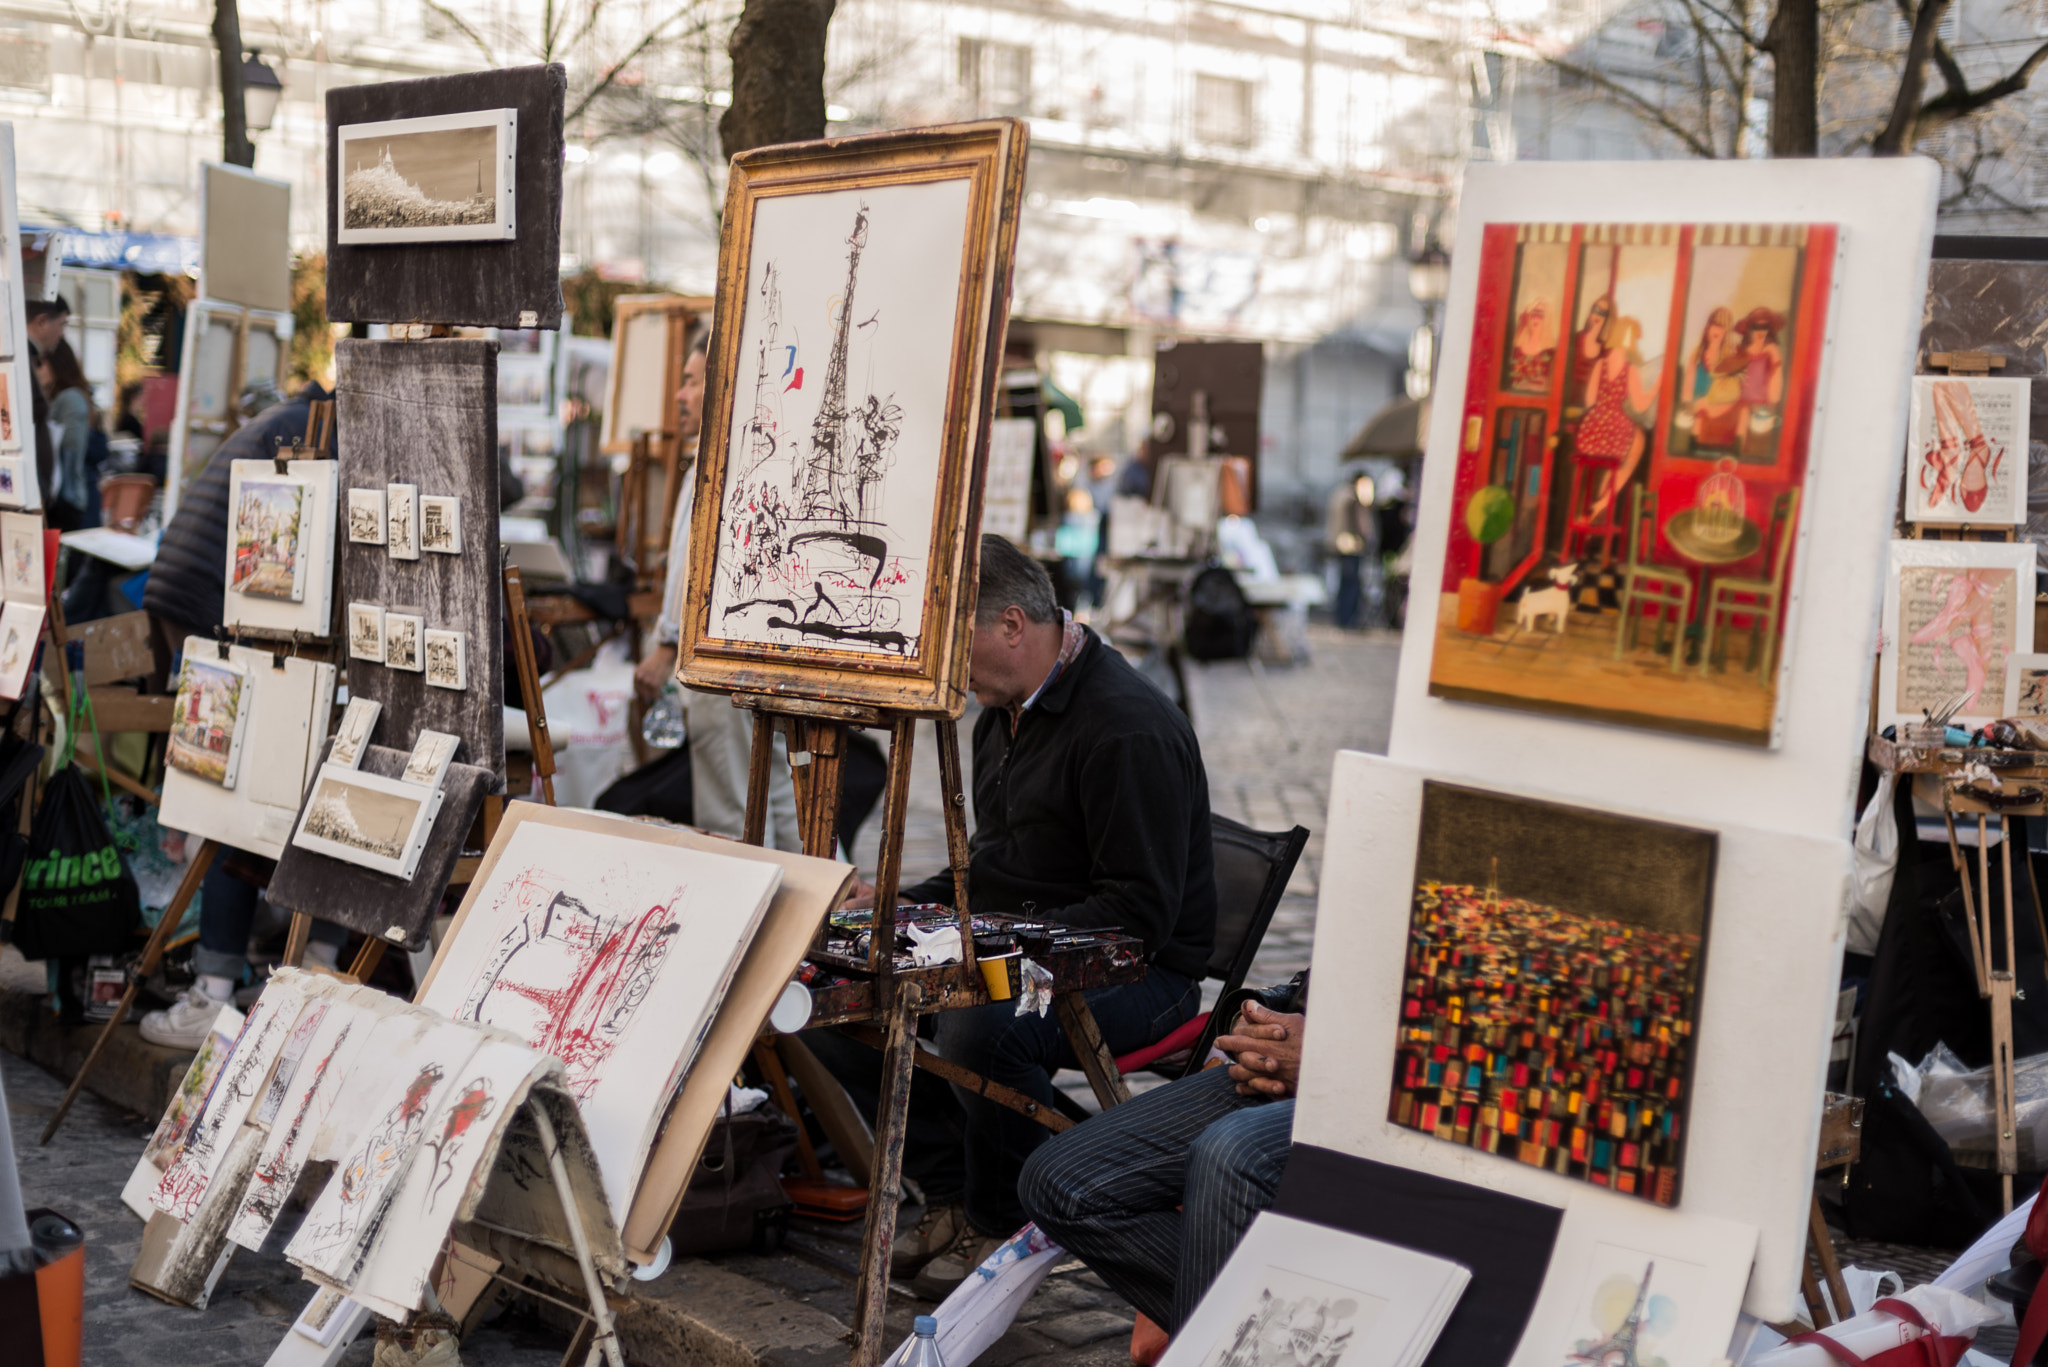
(1265, 1048)
(652, 674)
(863, 895)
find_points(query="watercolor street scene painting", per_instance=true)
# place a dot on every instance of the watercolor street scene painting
(209, 719)
(268, 559)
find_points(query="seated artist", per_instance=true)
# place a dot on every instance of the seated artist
(1091, 809)
(1154, 1194)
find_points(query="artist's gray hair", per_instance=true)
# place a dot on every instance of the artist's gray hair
(1010, 578)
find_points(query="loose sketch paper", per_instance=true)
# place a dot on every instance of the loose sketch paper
(443, 178)
(1954, 612)
(1661, 1287)
(357, 721)
(363, 818)
(2026, 686)
(22, 577)
(825, 523)
(366, 516)
(1966, 453)
(610, 952)
(210, 715)
(1297, 1293)
(333, 1034)
(280, 555)
(242, 1080)
(169, 1135)
(1006, 496)
(287, 714)
(21, 626)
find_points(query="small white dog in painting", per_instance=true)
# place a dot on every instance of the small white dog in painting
(1554, 602)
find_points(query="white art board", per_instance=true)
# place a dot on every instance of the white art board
(1670, 1282)
(610, 953)
(1358, 1301)
(258, 593)
(19, 488)
(1006, 494)
(1766, 1015)
(1806, 783)
(23, 578)
(288, 711)
(825, 525)
(1954, 613)
(1966, 450)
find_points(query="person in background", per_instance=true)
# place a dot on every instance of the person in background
(1154, 1194)
(720, 736)
(186, 596)
(75, 502)
(1352, 533)
(47, 320)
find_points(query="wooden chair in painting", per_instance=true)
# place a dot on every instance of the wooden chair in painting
(1649, 587)
(1760, 600)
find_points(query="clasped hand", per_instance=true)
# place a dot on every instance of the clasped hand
(1265, 1051)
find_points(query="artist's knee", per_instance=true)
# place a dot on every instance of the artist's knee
(1053, 1187)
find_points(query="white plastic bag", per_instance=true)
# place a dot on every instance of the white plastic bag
(982, 1307)
(1950, 1312)
(1877, 859)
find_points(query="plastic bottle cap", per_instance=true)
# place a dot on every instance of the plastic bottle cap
(54, 1236)
(924, 1324)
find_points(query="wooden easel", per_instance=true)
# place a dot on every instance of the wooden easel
(816, 733)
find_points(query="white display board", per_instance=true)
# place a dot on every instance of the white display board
(1766, 1014)
(19, 487)
(1806, 782)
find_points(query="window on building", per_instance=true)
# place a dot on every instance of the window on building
(24, 62)
(1223, 110)
(995, 77)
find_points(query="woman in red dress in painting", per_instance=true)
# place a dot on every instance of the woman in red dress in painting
(1614, 391)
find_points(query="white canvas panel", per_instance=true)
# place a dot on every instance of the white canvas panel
(611, 953)
(1806, 783)
(287, 728)
(1667, 1282)
(1766, 1014)
(313, 610)
(846, 359)
(1006, 493)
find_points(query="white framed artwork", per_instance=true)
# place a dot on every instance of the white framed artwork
(366, 632)
(12, 483)
(402, 521)
(443, 178)
(2026, 686)
(431, 755)
(18, 485)
(1666, 1283)
(441, 524)
(1966, 451)
(210, 716)
(366, 517)
(1954, 612)
(379, 823)
(23, 576)
(1338, 1299)
(285, 726)
(1006, 493)
(21, 628)
(280, 554)
(447, 660)
(403, 647)
(358, 720)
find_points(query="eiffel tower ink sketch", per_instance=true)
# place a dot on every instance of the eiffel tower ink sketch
(836, 424)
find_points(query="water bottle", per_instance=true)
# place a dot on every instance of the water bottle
(922, 1349)
(662, 727)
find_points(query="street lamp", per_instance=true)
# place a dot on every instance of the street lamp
(1429, 279)
(261, 90)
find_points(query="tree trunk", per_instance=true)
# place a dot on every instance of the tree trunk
(1900, 130)
(1793, 40)
(778, 74)
(236, 149)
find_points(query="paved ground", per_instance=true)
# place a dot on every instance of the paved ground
(1268, 737)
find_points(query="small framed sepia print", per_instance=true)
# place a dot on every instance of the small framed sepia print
(403, 648)
(358, 719)
(366, 517)
(402, 521)
(366, 632)
(379, 823)
(447, 666)
(833, 546)
(441, 524)
(445, 178)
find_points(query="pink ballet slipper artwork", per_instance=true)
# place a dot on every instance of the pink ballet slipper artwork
(1965, 627)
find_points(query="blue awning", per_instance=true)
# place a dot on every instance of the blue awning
(151, 253)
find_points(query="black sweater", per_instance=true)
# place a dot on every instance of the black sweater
(1096, 813)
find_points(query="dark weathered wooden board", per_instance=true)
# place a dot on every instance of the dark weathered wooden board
(426, 413)
(369, 902)
(472, 284)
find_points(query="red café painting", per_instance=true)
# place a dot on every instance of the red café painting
(1632, 456)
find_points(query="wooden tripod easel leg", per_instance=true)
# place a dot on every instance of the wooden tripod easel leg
(871, 1310)
(166, 926)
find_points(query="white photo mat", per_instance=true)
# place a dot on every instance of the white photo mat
(1765, 1022)
(1953, 612)
(427, 155)
(1805, 783)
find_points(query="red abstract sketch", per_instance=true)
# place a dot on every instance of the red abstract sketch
(568, 979)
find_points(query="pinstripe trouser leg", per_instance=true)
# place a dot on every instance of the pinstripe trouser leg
(1110, 1190)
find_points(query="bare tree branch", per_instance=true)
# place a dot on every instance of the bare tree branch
(1647, 110)
(1898, 135)
(1959, 101)
(613, 70)
(462, 27)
